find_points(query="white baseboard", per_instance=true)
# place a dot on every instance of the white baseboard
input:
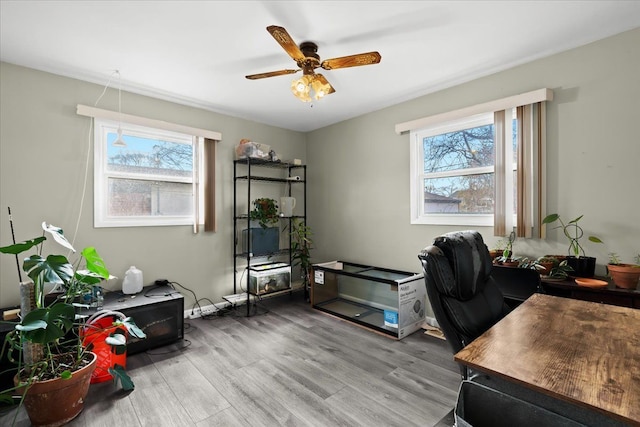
(431, 321)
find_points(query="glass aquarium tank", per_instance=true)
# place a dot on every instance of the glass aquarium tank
(385, 300)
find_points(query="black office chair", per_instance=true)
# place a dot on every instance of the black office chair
(516, 284)
(464, 297)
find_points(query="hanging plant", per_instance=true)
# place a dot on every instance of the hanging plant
(265, 211)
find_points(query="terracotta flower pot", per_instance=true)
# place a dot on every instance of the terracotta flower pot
(624, 275)
(58, 401)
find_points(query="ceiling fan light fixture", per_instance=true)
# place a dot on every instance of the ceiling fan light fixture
(301, 88)
(320, 88)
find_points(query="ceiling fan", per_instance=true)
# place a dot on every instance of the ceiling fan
(307, 59)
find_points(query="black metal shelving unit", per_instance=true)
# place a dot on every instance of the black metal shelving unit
(243, 171)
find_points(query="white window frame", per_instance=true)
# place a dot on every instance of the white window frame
(417, 174)
(101, 175)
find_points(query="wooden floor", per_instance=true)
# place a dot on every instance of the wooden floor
(287, 365)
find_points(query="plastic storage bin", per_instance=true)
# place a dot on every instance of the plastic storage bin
(388, 301)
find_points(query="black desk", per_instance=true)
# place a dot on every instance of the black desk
(609, 295)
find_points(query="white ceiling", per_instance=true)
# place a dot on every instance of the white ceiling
(198, 52)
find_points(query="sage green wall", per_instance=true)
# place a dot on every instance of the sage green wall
(43, 150)
(359, 169)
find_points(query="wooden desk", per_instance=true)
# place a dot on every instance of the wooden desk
(582, 352)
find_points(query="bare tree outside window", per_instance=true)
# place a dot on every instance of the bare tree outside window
(449, 163)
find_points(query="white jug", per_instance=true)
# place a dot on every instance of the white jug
(132, 282)
(286, 206)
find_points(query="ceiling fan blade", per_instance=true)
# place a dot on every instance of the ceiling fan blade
(287, 43)
(351, 61)
(270, 74)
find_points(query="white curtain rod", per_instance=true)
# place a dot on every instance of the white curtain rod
(84, 110)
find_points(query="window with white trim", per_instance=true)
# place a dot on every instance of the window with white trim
(453, 172)
(150, 180)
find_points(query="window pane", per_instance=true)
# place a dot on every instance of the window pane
(471, 194)
(463, 149)
(130, 197)
(149, 156)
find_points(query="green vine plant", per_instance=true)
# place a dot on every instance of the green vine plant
(301, 245)
(573, 232)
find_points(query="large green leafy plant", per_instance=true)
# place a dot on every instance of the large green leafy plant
(47, 342)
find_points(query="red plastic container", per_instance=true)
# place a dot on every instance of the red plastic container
(96, 332)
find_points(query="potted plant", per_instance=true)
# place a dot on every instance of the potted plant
(265, 239)
(547, 263)
(624, 275)
(53, 366)
(301, 245)
(532, 264)
(506, 258)
(498, 249)
(560, 271)
(265, 211)
(583, 266)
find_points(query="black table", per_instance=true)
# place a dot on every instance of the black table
(608, 295)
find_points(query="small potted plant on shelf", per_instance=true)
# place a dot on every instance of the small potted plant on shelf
(532, 264)
(547, 263)
(498, 249)
(53, 366)
(507, 258)
(560, 271)
(265, 211)
(624, 276)
(264, 237)
(583, 266)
